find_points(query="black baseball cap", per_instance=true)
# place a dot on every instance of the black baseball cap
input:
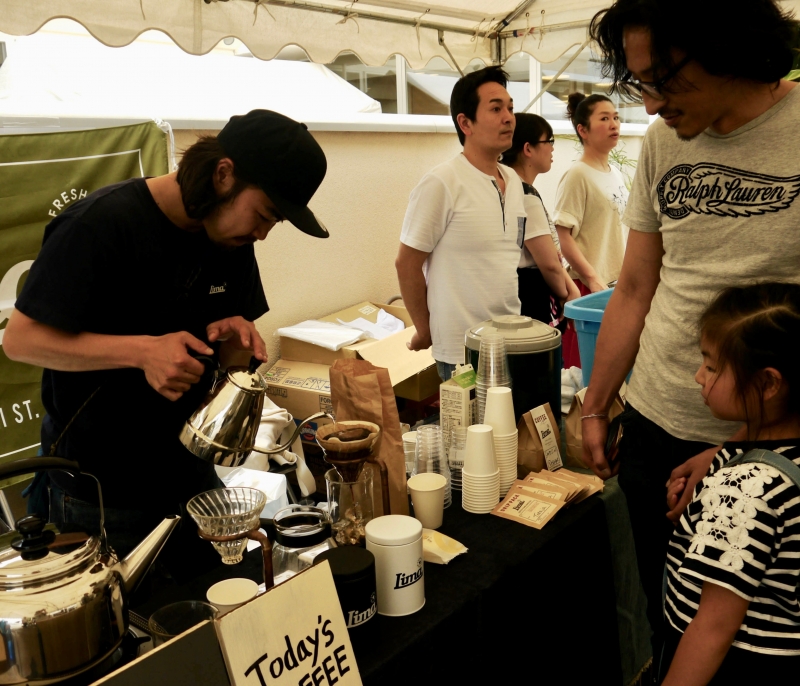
(282, 158)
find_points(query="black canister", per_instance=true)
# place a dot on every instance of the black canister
(353, 570)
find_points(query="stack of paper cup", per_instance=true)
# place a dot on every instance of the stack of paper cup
(410, 450)
(500, 416)
(480, 478)
(431, 456)
(492, 369)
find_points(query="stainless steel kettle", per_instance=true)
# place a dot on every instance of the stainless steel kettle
(223, 429)
(63, 597)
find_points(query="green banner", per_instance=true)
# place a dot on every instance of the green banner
(41, 175)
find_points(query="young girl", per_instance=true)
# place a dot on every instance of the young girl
(544, 284)
(732, 602)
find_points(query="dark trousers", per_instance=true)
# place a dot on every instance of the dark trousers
(648, 454)
(534, 295)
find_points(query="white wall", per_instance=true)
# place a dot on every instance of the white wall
(362, 202)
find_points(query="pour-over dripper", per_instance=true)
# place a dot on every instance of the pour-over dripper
(228, 513)
(348, 445)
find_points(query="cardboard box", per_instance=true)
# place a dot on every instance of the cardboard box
(413, 374)
(301, 388)
(458, 405)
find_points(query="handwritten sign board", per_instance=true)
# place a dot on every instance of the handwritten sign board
(293, 635)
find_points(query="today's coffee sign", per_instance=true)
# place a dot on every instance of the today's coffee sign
(293, 635)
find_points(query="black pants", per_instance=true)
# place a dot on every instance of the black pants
(534, 294)
(648, 454)
(741, 667)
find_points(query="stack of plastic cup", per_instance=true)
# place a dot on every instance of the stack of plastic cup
(492, 369)
(480, 478)
(455, 455)
(431, 456)
(410, 450)
(500, 416)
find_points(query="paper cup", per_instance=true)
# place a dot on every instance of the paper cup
(229, 594)
(427, 496)
(499, 412)
(478, 509)
(479, 455)
(473, 486)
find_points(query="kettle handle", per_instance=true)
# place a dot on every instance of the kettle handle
(29, 465)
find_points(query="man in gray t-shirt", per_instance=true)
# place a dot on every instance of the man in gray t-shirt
(713, 204)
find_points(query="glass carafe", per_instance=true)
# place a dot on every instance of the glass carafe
(350, 505)
(301, 533)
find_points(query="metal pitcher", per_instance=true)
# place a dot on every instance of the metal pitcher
(223, 429)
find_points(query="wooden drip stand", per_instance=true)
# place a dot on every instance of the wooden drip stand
(253, 535)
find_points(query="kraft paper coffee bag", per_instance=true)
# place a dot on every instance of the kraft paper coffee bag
(538, 442)
(361, 391)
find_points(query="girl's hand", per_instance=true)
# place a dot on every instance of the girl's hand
(675, 488)
(692, 471)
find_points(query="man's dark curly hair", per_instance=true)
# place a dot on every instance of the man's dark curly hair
(741, 39)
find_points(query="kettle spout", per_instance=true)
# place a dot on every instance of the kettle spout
(132, 569)
(314, 417)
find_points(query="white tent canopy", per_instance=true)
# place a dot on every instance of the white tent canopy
(488, 30)
(65, 74)
(372, 29)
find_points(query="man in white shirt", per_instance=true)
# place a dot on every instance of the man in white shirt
(457, 263)
(713, 204)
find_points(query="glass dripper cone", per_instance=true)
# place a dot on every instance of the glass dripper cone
(228, 512)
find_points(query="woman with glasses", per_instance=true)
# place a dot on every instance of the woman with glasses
(544, 284)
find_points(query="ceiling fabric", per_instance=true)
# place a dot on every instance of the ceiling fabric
(545, 29)
(369, 28)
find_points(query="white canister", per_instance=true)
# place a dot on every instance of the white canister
(396, 543)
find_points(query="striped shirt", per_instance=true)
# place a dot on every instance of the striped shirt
(742, 532)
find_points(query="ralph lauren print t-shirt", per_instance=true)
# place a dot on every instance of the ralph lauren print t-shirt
(728, 214)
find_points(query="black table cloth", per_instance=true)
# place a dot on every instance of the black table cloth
(522, 603)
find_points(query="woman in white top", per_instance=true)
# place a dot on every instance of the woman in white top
(544, 284)
(591, 197)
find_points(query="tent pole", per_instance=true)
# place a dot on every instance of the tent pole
(524, 5)
(553, 80)
(444, 45)
(376, 16)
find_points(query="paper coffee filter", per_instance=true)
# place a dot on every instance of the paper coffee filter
(337, 446)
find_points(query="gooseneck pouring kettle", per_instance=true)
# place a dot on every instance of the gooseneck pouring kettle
(223, 429)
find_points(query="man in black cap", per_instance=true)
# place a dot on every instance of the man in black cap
(131, 284)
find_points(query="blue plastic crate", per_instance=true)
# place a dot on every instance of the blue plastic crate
(587, 313)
